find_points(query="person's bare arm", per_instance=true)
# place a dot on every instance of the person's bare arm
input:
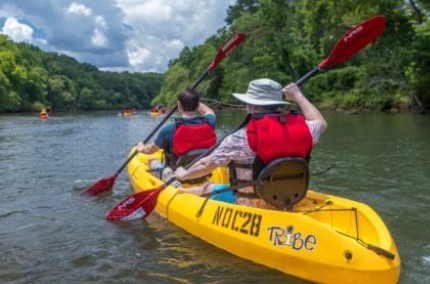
(203, 167)
(204, 109)
(147, 148)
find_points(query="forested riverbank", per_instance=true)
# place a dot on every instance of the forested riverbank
(31, 79)
(285, 40)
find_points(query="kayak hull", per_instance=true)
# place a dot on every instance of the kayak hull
(326, 239)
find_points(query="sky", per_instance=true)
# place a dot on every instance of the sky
(114, 35)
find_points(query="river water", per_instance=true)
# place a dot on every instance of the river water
(49, 233)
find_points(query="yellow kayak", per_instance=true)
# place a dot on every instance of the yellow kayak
(326, 239)
(127, 113)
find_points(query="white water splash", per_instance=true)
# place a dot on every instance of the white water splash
(426, 260)
(82, 184)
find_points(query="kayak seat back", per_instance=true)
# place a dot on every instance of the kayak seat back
(188, 158)
(284, 182)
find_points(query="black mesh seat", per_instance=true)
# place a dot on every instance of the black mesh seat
(188, 157)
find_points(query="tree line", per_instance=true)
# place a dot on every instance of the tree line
(288, 38)
(285, 40)
(31, 79)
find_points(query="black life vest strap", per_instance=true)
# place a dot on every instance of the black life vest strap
(232, 188)
(199, 180)
(169, 157)
(250, 195)
(233, 174)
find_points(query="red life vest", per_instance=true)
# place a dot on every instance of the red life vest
(279, 135)
(188, 137)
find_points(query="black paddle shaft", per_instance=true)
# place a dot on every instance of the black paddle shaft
(312, 73)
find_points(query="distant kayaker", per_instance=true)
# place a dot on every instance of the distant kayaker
(263, 100)
(44, 113)
(189, 132)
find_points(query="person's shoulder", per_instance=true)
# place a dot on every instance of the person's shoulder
(211, 118)
(237, 137)
(240, 132)
(170, 127)
(165, 135)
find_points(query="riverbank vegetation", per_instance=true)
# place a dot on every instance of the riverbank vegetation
(286, 39)
(31, 79)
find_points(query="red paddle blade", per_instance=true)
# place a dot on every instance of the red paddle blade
(354, 40)
(136, 206)
(229, 45)
(102, 185)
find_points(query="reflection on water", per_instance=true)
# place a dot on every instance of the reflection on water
(49, 232)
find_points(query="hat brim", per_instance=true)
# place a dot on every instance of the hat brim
(246, 99)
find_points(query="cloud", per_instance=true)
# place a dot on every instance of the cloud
(99, 39)
(152, 49)
(76, 8)
(17, 31)
(133, 35)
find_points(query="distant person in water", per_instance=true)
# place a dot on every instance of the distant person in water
(43, 113)
(162, 108)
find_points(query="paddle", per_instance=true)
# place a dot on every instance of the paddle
(349, 44)
(140, 205)
(106, 184)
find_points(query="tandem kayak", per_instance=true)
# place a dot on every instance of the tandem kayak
(326, 239)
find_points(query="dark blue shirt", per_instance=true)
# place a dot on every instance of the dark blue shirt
(165, 137)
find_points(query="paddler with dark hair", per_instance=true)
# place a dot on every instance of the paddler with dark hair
(193, 130)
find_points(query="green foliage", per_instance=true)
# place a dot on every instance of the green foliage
(288, 38)
(242, 6)
(9, 100)
(285, 40)
(176, 79)
(31, 79)
(417, 71)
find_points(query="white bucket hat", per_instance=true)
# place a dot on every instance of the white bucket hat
(263, 92)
